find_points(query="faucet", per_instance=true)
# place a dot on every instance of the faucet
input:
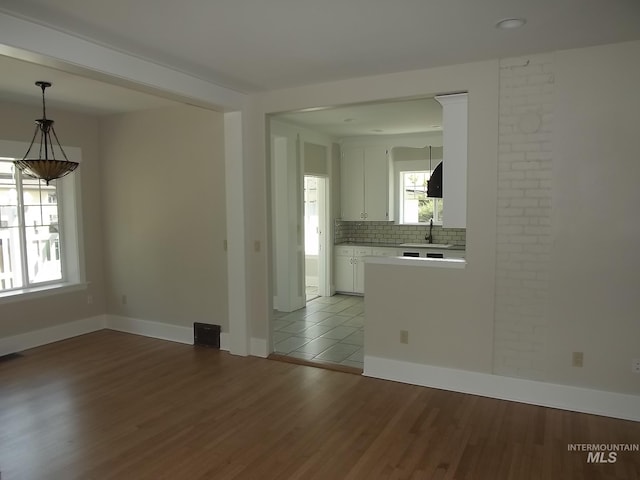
(429, 236)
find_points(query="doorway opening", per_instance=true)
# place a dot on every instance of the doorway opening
(314, 236)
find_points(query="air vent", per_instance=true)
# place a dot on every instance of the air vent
(206, 335)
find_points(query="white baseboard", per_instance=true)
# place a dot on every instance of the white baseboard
(37, 338)
(224, 341)
(564, 397)
(258, 348)
(148, 328)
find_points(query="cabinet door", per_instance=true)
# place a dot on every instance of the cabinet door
(352, 184)
(358, 271)
(344, 273)
(376, 184)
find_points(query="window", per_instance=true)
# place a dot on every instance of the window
(415, 206)
(39, 228)
(29, 232)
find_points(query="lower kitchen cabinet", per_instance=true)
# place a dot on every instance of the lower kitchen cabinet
(349, 269)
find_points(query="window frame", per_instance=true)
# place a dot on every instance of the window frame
(70, 230)
(404, 166)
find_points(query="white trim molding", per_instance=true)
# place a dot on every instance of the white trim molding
(136, 326)
(149, 328)
(37, 338)
(30, 41)
(564, 397)
(258, 347)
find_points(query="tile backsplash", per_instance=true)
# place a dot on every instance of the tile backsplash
(391, 233)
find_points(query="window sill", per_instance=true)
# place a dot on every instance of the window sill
(31, 293)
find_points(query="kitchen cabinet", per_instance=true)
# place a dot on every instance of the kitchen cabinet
(349, 268)
(364, 184)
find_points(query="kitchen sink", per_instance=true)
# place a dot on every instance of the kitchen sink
(426, 245)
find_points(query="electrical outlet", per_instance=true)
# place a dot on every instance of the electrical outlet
(89, 299)
(577, 359)
(124, 299)
(404, 336)
(635, 365)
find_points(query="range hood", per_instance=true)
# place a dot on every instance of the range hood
(434, 185)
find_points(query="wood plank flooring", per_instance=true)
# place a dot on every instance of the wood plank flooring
(110, 405)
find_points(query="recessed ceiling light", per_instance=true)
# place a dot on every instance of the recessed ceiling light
(510, 23)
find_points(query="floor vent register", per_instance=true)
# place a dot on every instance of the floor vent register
(206, 335)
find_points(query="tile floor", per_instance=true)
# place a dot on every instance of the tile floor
(328, 329)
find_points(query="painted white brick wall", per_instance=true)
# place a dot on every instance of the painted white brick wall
(524, 216)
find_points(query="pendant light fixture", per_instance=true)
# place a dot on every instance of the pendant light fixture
(45, 166)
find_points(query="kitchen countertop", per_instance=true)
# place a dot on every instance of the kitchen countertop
(401, 245)
(456, 263)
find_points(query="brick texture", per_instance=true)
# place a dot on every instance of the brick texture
(524, 216)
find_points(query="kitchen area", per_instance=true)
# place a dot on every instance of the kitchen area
(385, 204)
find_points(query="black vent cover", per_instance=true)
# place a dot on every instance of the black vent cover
(434, 187)
(206, 335)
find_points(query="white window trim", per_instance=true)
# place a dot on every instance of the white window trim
(71, 230)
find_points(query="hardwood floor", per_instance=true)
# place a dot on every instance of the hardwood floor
(110, 405)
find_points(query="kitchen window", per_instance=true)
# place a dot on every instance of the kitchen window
(39, 232)
(414, 205)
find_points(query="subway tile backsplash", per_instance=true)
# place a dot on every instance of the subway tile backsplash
(390, 233)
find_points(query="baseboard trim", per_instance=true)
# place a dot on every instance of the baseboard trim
(37, 338)
(564, 397)
(258, 347)
(136, 326)
(149, 328)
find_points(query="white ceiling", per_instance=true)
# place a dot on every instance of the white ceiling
(387, 118)
(259, 45)
(69, 91)
(253, 45)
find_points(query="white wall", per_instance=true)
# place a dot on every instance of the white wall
(165, 223)
(567, 245)
(595, 263)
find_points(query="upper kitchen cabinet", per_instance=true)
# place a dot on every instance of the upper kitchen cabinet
(365, 183)
(454, 160)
